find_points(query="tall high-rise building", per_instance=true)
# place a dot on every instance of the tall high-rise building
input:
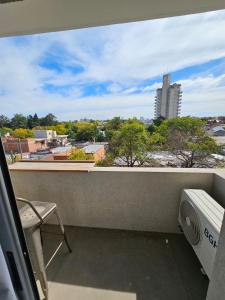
(168, 99)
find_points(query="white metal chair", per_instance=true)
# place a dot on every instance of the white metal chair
(33, 214)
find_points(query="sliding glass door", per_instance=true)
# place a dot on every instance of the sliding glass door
(17, 278)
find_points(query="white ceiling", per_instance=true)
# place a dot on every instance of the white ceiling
(33, 16)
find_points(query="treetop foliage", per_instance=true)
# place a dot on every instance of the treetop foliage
(22, 133)
(130, 143)
(79, 154)
(130, 140)
(187, 139)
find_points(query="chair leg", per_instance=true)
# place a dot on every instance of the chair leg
(33, 239)
(63, 230)
(44, 285)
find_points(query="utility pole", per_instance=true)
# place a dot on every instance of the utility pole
(21, 153)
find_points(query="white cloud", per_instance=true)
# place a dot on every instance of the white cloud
(202, 83)
(143, 50)
(203, 96)
(114, 88)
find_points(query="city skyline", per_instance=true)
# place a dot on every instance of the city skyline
(115, 70)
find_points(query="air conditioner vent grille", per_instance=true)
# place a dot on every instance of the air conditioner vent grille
(190, 222)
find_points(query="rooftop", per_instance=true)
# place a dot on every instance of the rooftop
(61, 149)
(92, 148)
(218, 128)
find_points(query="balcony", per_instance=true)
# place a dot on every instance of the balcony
(127, 265)
(122, 225)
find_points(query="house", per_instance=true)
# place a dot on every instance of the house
(44, 134)
(51, 137)
(62, 139)
(26, 145)
(97, 150)
(61, 153)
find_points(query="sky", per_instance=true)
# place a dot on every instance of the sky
(115, 70)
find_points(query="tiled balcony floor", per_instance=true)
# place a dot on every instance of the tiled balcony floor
(124, 265)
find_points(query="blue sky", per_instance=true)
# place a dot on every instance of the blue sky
(114, 70)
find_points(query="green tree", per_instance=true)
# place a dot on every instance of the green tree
(48, 120)
(30, 122)
(5, 130)
(158, 121)
(86, 131)
(4, 121)
(187, 139)
(71, 129)
(111, 126)
(131, 143)
(107, 161)
(59, 128)
(36, 120)
(79, 154)
(33, 121)
(19, 121)
(100, 137)
(22, 133)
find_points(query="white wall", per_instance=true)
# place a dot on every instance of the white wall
(134, 199)
(219, 187)
(216, 290)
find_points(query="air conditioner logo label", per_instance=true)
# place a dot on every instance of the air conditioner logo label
(210, 238)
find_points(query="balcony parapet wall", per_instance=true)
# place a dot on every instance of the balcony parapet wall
(145, 199)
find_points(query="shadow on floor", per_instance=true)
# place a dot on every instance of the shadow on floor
(141, 265)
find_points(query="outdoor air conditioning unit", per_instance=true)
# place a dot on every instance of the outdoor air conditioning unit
(200, 217)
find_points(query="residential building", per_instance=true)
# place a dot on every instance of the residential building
(97, 150)
(61, 153)
(61, 139)
(26, 145)
(44, 134)
(168, 99)
(51, 137)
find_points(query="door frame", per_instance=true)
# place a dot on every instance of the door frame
(12, 239)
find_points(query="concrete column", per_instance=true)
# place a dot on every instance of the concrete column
(216, 290)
